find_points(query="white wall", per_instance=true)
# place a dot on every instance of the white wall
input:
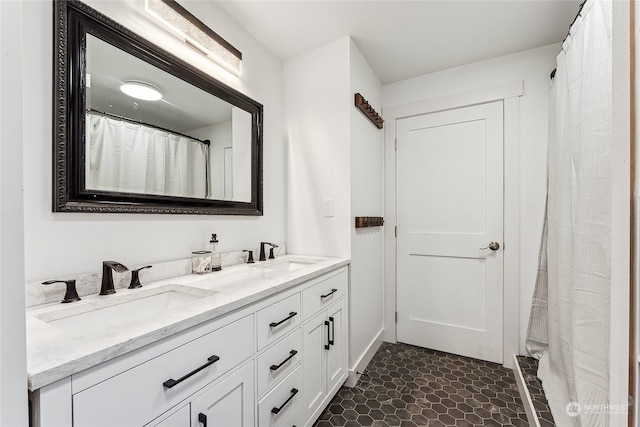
(60, 244)
(13, 378)
(335, 152)
(316, 99)
(533, 67)
(219, 134)
(367, 199)
(221, 137)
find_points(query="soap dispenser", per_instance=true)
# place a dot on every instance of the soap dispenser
(216, 264)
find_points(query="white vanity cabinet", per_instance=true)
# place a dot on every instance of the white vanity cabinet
(280, 382)
(275, 362)
(179, 418)
(227, 403)
(325, 357)
(139, 394)
(324, 345)
(281, 404)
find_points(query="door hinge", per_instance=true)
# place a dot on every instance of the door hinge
(396, 317)
(395, 231)
(395, 144)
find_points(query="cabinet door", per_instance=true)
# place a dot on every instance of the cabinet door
(314, 339)
(180, 418)
(337, 355)
(228, 403)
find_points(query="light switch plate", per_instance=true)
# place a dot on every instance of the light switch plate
(327, 207)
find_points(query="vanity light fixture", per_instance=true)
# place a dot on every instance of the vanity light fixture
(141, 90)
(195, 33)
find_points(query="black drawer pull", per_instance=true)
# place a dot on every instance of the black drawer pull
(202, 419)
(274, 324)
(327, 345)
(333, 291)
(333, 331)
(170, 383)
(275, 410)
(276, 367)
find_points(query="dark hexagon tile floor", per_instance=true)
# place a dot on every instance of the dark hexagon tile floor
(529, 369)
(413, 386)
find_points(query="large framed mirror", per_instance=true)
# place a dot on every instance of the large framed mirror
(138, 130)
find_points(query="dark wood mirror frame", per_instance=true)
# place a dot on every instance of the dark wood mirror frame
(72, 21)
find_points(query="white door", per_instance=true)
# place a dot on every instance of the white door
(450, 205)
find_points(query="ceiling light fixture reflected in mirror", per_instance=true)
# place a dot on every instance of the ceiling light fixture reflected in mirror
(141, 90)
(195, 33)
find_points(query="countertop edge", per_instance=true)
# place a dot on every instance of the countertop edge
(44, 374)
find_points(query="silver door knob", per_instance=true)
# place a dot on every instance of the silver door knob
(494, 246)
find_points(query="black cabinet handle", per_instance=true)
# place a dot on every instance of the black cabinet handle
(202, 419)
(275, 410)
(326, 346)
(170, 383)
(274, 324)
(333, 331)
(276, 367)
(333, 291)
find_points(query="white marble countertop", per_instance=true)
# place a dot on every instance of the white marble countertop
(53, 353)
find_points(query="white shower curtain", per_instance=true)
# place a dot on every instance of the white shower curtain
(569, 321)
(129, 157)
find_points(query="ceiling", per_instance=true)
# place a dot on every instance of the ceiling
(183, 107)
(404, 39)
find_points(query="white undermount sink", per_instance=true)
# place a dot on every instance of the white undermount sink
(284, 265)
(119, 309)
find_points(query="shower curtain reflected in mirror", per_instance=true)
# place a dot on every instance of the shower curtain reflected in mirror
(127, 157)
(569, 321)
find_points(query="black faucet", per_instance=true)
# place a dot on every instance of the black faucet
(250, 258)
(262, 255)
(71, 294)
(135, 277)
(108, 267)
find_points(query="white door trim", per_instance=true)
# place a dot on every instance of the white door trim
(509, 93)
(621, 229)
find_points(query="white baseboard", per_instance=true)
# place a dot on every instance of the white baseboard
(532, 417)
(366, 357)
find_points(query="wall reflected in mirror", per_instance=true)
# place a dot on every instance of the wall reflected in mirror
(187, 143)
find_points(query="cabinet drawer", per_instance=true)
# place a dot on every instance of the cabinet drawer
(283, 399)
(283, 357)
(277, 320)
(138, 395)
(294, 417)
(324, 293)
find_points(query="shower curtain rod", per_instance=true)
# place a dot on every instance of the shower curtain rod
(91, 110)
(553, 73)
